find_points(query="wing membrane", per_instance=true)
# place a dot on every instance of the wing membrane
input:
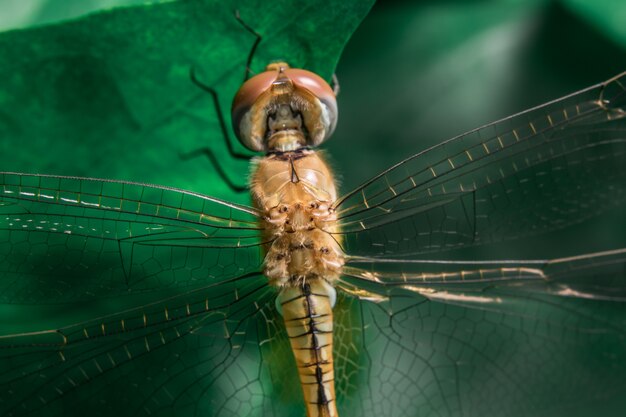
(73, 239)
(506, 338)
(598, 276)
(515, 352)
(145, 298)
(166, 356)
(540, 170)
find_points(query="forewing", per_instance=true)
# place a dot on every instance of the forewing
(540, 170)
(74, 239)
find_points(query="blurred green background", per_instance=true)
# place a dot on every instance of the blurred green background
(22, 14)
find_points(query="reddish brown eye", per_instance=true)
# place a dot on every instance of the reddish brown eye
(248, 93)
(307, 94)
(314, 83)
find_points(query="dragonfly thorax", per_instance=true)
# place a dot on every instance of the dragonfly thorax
(294, 259)
(296, 190)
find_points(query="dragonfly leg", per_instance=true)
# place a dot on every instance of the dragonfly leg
(254, 46)
(229, 145)
(233, 153)
(336, 86)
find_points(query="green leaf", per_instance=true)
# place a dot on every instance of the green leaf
(110, 95)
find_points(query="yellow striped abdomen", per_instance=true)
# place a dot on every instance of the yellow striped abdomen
(307, 312)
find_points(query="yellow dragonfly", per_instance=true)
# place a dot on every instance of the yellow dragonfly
(192, 324)
(122, 298)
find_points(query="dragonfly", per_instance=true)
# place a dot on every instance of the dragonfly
(156, 299)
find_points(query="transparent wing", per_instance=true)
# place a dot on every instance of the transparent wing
(598, 276)
(192, 353)
(75, 239)
(498, 338)
(540, 170)
(129, 299)
(216, 350)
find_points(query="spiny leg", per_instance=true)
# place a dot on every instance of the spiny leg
(254, 46)
(233, 153)
(208, 152)
(335, 80)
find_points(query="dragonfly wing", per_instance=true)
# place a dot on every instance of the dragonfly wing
(505, 338)
(597, 276)
(425, 359)
(508, 339)
(75, 239)
(131, 299)
(168, 357)
(540, 170)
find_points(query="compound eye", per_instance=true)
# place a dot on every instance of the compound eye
(306, 93)
(245, 98)
(320, 117)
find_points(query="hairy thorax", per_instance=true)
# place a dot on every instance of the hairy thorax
(295, 190)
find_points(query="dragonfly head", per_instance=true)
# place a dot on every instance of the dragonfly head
(284, 109)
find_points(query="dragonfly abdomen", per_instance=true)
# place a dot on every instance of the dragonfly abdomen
(307, 312)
